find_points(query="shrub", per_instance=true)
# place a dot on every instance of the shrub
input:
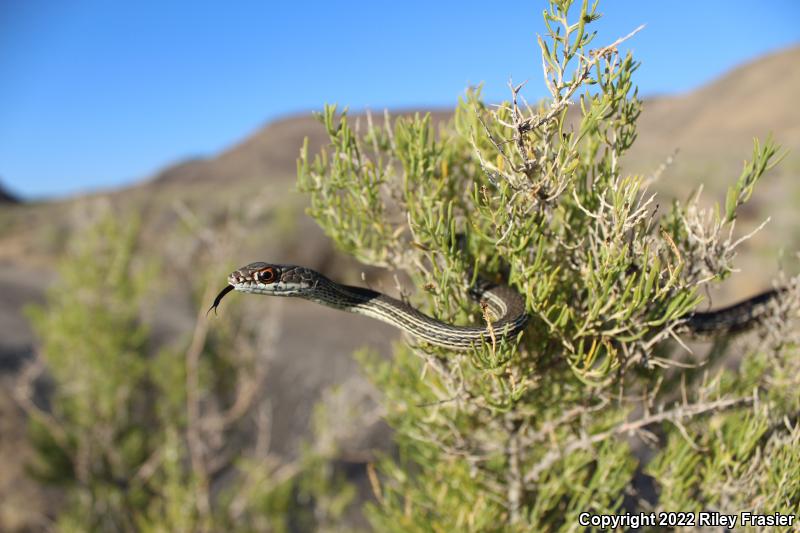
(526, 435)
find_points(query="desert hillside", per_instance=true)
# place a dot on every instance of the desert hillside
(712, 126)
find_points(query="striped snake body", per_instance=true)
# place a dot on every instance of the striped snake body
(506, 304)
(289, 280)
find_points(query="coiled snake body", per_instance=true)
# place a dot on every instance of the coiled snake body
(507, 305)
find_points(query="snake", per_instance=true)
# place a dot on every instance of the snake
(504, 303)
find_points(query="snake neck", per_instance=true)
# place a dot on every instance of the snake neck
(504, 303)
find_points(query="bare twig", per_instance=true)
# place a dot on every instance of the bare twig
(674, 416)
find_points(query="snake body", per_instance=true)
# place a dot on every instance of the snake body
(289, 280)
(734, 318)
(506, 304)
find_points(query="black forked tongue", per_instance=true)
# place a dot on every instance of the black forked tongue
(219, 298)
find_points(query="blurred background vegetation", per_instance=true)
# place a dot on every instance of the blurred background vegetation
(123, 407)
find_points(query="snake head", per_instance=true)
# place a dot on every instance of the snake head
(275, 280)
(267, 278)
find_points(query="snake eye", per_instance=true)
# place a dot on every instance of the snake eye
(267, 275)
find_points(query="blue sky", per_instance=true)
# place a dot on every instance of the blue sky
(99, 94)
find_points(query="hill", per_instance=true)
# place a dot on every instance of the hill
(714, 125)
(6, 197)
(269, 153)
